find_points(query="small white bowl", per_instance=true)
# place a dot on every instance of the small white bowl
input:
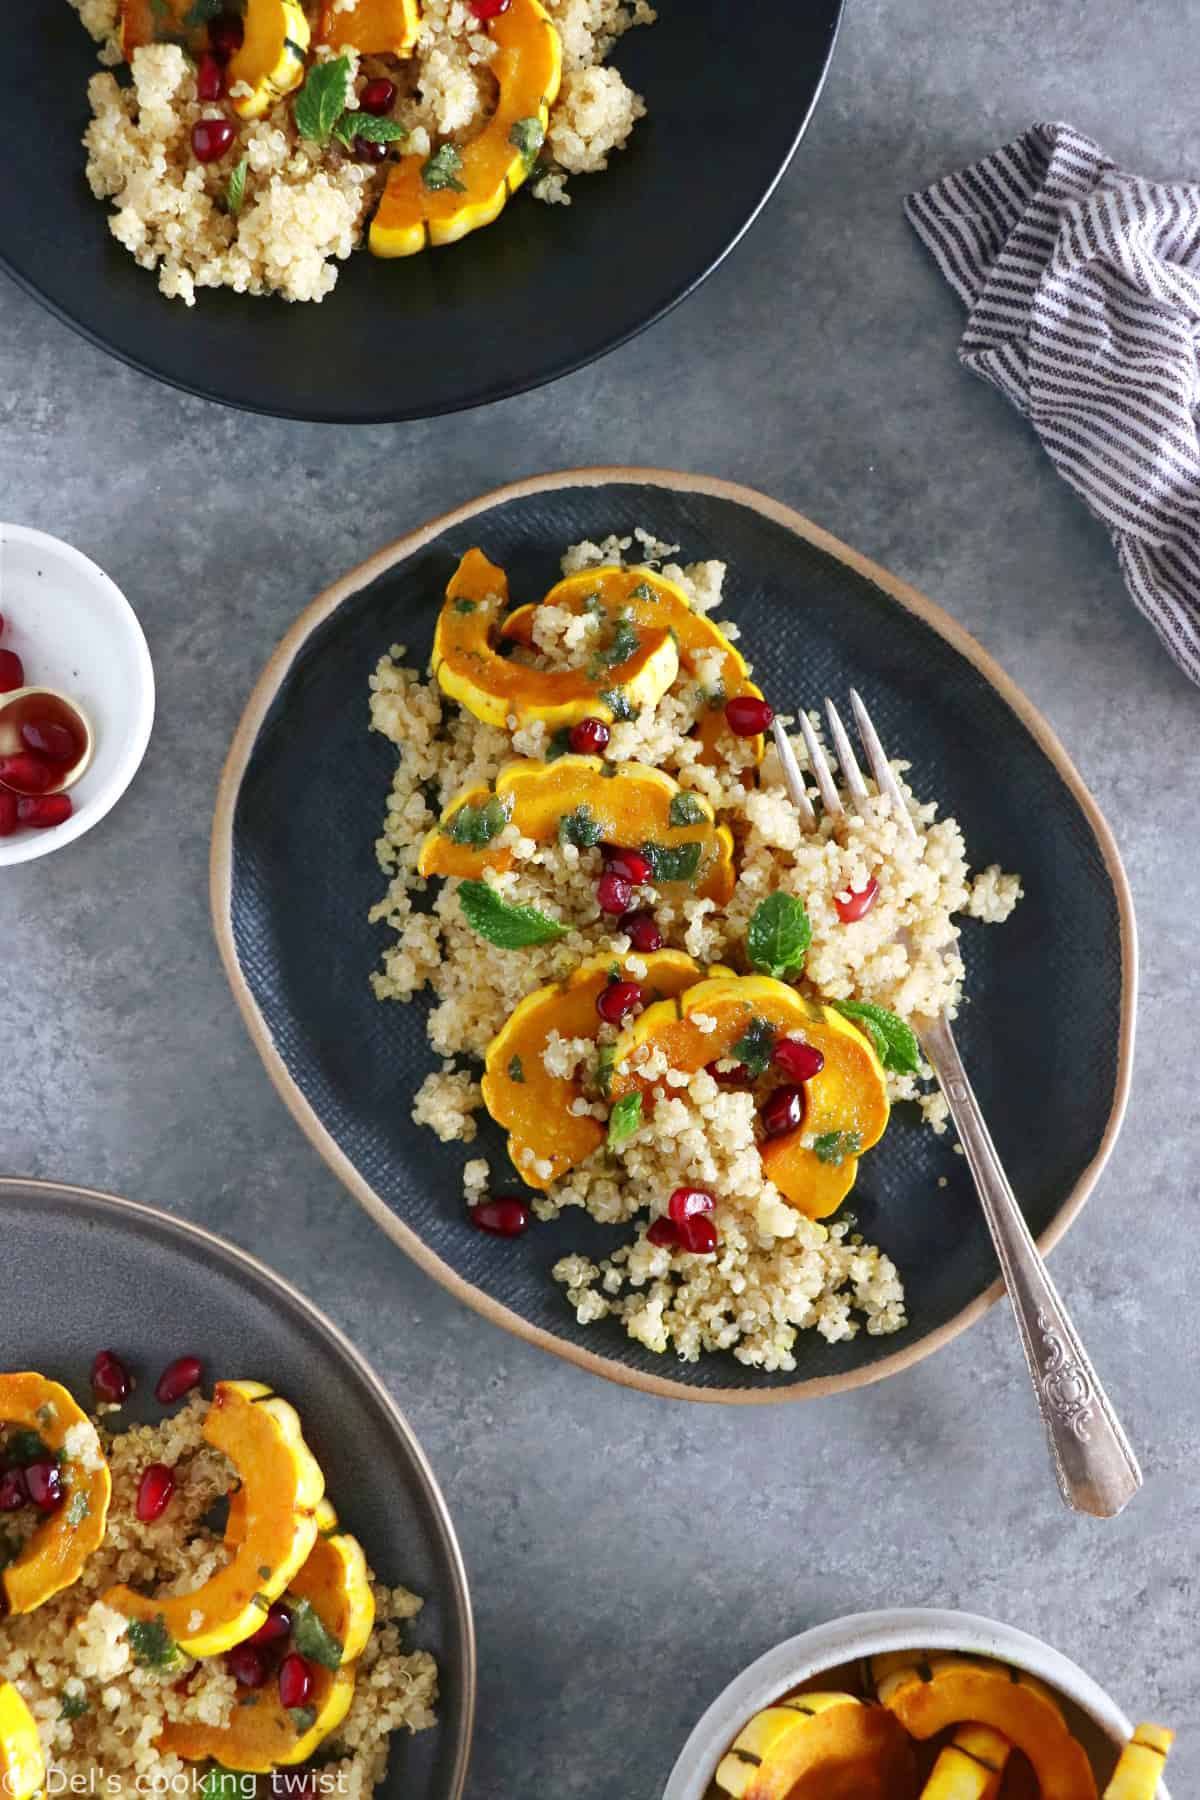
(75, 631)
(1094, 1716)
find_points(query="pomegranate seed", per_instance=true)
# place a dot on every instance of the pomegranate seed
(664, 1232)
(12, 671)
(505, 1217)
(698, 1235)
(25, 773)
(248, 1666)
(44, 810)
(210, 77)
(111, 1380)
(225, 36)
(617, 1000)
(489, 9)
(782, 1110)
(367, 151)
(590, 737)
(800, 1061)
(49, 739)
(154, 1492)
(295, 1681)
(8, 812)
(211, 138)
(44, 1480)
(613, 892)
(13, 1491)
(629, 863)
(857, 903)
(643, 931)
(746, 715)
(738, 1077)
(276, 1625)
(686, 1203)
(378, 96)
(177, 1379)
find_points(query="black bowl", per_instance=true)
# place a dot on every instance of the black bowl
(541, 292)
(1047, 1032)
(137, 1279)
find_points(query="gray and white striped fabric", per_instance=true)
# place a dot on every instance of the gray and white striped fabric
(1082, 285)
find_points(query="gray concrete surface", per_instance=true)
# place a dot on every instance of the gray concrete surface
(629, 1555)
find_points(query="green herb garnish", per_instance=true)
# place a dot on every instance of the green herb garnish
(464, 606)
(559, 744)
(264, 1571)
(895, 1042)
(222, 1784)
(624, 1120)
(443, 169)
(369, 127)
(235, 188)
(152, 1644)
(528, 136)
(73, 1706)
(686, 809)
(779, 936)
(674, 862)
(202, 12)
(26, 1446)
(617, 702)
(625, 643)
(312, 1637)
(515, 1070)
(322, 100)
(303, 1718)
(478, 825)
(508, 927)
(77, 1508)
(605, 1063)
(580, 828)
(714, 698)
(643, 591)
(835, 1146)
(753, 1049)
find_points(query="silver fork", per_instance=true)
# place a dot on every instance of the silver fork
(1097, 1470)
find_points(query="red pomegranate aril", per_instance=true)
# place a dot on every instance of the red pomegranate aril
(13, 1490)
(615, 1002)
(43, 810)
(295, 1681)
(643, 931)
(378, 96)
(48, 739)
(225, 35)
(111, 1380)
(26, 773)
(590, 737)
(154, 1492)
(276, 1626)
(782, 1111)
(504, 1217)
(698, 1235)
(747, 716)
(687, 1203)
(664, 1233)
(12, 671)
(489, 9)
(738, 1077)
(366, 150)
(858, 902)
(629, 863)
(44, 1480)
(210, 77)
(211, 138)
(248, 1666)
(178, 1379)
(798, 1061)
(8, 812)
(613, 893)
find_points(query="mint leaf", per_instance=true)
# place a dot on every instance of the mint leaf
(643, 591)
(508, 927)
(203, 12)
(515, 1070)
(73, 1706)
(152, 1644)
(322, 100)
(372, 130)
(221, 1784)
(464, 606)
(312, 1637)
(678, 862)
(686, 809)
(753, 1049)
(443, 169)
(478, 825)
(625, 643)
(580, 828)
(779, 935)
(77, 1508)
(605, 1063)
(528, 136)
(835, 1146)
(26, 1446)
(624, 1120)
(559, 744)
(895, 1042)
(235, 192)
(303, 1718)
(617, 702)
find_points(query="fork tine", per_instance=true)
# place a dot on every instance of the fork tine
(831, 800)
(793, 779)
(881, 768)
(851, 773)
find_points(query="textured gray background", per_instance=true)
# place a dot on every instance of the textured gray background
(629, 1555)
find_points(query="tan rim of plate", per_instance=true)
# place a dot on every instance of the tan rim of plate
(220, 887)
(218, 1247)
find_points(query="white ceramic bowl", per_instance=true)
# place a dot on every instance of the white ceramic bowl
(1094, 1716)
(75, 631)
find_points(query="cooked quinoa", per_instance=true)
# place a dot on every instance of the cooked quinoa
(305, 207)
(776, 1272)
(99, 1711)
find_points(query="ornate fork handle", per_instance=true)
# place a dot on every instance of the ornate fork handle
(1096, 1468)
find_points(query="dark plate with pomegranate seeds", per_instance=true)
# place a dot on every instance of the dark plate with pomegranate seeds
(151, 1287)
(1047, 1033)
(537, 294)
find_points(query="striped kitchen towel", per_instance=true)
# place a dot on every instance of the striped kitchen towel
(1082, 286)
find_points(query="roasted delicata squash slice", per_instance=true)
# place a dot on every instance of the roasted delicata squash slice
(941, 1692)
(741, 1017)
(651, 601)
(281, 1484)
(372, 27)
(438, 199)
(53, 1557)
(629, 672)
(156, 22)
(22, 1762)
(535, 1106)
(970, 1767)
(271, 58)
(1137, 1775)
(819, 1747)
(585, 801)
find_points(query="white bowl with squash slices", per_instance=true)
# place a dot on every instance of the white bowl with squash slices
(918, 1704)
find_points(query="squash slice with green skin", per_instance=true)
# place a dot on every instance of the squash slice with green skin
(158, 22)
(282, 1484)
(54, 1556)
(471, 670)
(22, 1762)
(372, 27)
(613, 803)
(271, 57)
(846, 1105)
(946, 1691)
(1137, 1774)
(534, 1106)
(527, 66)
(819, 1747)
(970, 1767)
(651, 601)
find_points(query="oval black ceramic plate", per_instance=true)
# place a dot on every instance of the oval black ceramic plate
(1048, 1033)
(245, 1322)
(544, 290)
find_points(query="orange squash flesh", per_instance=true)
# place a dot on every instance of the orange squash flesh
(843, 1753)
(143, 22)
(53, 1557)
(372, 27)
